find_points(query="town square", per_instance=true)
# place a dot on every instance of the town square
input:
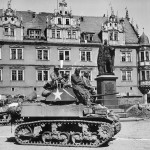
(74, 74)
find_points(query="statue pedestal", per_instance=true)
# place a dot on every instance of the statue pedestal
(106, 86)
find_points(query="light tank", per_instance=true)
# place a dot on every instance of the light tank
(60, 120)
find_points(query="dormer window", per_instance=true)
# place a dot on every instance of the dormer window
(67, 21)
(116, 36)
(60, 12)
(34, 34)
(69, 34)
(59, 20)
(58, 34)
(8, 31)
(65, 12)
(113, 36)
(53, 33)
(91, 37)
(74, 34)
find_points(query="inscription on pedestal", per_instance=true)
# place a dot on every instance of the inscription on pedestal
(109, 88)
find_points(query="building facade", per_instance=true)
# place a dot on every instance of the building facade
(31, 44)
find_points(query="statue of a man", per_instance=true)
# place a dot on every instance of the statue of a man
(105, 60)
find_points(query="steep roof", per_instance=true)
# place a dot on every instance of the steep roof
(143, 39)
(130, 35)
(88, 24)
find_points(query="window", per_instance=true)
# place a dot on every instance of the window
(64, 55)
(53, 33)
(62, 72)
(0, 74)
(145, 75)
(90, 74)
(17, 75)
(58, 34)
(42, 75)
(148, 75)
(11, 32)
(147, 56)
(34, 34)
(74, 34)
(85, 56)
(126, 57)
(43, 54)
(111, 36)
(59, 20)
(142, 56)
(126, 75)
(69, 34)
(116, 36)
(16, 53)
(8, 31)
(0, 53)
(67, 21)
(91, 37)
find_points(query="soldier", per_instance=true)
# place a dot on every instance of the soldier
(51, 85)
(87, 83)
(79, 87)
(55, 77)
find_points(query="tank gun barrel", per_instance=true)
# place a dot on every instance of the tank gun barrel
(97, 95)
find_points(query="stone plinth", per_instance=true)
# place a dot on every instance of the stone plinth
(106, 86)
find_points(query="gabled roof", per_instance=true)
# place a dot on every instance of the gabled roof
(89, 24)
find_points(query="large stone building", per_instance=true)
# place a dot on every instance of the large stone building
(31, 44)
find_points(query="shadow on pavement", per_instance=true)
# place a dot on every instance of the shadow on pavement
(108, 143)
(11, 139)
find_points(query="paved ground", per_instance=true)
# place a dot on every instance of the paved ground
(133, 136)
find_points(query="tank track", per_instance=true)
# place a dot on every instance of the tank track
(77, 133)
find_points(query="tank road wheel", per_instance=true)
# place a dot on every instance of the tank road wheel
(105, 131)
(95, 140)
(46, 137)
(76, 138)
(23, 134)
(64, 137)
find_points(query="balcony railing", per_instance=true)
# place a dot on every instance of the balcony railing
(144, 82)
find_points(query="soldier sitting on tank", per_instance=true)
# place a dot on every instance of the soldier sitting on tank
(88, 85)
(56, 79)
(65, 81)
(53, 84)
(79, 87)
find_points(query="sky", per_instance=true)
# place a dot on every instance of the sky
(139, 10)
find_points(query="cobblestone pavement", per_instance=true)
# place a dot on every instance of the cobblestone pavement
(133, 136)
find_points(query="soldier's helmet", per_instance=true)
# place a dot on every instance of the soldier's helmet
(56, 67)
(77, 70)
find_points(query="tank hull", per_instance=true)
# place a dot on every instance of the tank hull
(65, 125)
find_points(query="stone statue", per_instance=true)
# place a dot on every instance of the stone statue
(105, 60)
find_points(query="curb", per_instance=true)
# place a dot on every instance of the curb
(130, 119)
